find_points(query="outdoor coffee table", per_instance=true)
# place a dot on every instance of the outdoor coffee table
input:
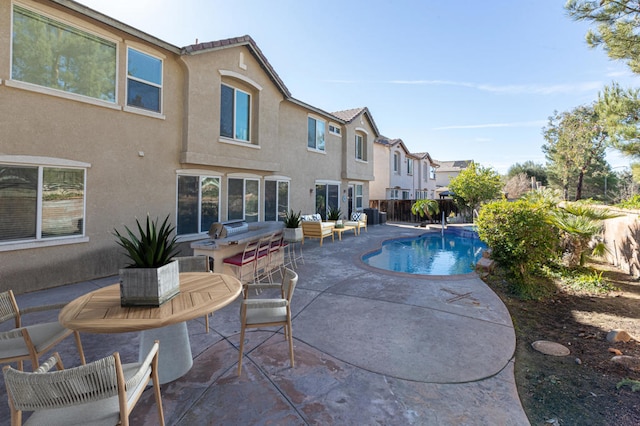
(340, 231)
(200, 294)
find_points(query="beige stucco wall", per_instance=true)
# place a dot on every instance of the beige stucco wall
(134, 157)
(622, 237)
(121, 184)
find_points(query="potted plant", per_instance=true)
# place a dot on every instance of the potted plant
(152, 277)
(292, 230)
(333, 214)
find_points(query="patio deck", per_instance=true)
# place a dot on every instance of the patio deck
(371, 347)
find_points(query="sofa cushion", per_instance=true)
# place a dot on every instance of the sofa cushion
(355, 216)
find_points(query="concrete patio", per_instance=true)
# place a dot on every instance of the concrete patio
(371, 347)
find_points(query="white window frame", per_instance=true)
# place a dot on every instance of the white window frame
(324, 125)
(41, 163)
(396, 162)
(335, 129)
(278, 180)
(200, 175)
(245, 178)
(235, 115)
(359, 198)
(409, 166)
(133, 108)
(34, 87)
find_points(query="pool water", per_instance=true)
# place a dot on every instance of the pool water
(429, 254)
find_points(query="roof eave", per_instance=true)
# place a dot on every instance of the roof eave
(114, 23)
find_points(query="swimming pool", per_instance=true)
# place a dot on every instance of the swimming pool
(454, 252)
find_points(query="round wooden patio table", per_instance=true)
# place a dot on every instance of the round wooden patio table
(200, 294)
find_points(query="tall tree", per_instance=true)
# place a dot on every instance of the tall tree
(616, 29)
(474, 185)
(576, 144)
(531, 169)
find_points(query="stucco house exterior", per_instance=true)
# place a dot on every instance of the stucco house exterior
(401, 175)
(103, 124)
(447, 171)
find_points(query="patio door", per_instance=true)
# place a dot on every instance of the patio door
(327, 198)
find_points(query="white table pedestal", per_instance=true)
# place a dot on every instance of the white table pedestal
(174, 356)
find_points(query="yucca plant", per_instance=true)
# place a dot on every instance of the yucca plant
(334, 213)
(292, 219)
(153, 248)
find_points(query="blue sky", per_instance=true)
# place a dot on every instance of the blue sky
(462, 80)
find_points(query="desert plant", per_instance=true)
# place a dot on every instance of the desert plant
(292, 219)
(334, 213)
(581, 226)
(153, 248)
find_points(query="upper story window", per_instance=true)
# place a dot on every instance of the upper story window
(396, 162)
(41, 202)
(334, 129)
(361, 149)
(315, 134)
(144, 80)
(52, 54)
(410, 166)
(235, 113)
(432, 172)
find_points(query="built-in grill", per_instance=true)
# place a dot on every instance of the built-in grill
(228, 229)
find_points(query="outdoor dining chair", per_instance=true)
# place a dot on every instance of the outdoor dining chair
(258, 313)
(32, 341)
(102, 392)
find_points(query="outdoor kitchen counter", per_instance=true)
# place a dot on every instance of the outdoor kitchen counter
(221, 248)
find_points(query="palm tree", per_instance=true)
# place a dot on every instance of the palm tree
(426, 207)
(580, 224)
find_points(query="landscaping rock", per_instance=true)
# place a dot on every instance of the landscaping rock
(485, 264)
(550, 348)
(618, 336)
(630, 362)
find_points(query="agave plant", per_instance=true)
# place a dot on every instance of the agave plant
(153, 248)
(334, 213)
(292, 219)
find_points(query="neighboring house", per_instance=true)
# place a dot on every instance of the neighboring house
(103, 123)
(447, 171)
(425, 178)
(399, 174)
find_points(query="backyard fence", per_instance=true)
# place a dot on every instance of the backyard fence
(400, 210)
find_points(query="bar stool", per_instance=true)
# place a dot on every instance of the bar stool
(243, 261)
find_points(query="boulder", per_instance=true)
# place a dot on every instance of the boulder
(630, 362)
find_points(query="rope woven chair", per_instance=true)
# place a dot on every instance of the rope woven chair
(32, 341)
(102, 392)
(258, 313)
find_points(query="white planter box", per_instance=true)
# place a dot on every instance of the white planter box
(293, 234)
(149, 286)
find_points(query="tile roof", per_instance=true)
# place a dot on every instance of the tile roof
(454, 165)
(348, 115)
(245, 40)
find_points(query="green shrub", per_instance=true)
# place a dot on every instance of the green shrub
(520, 238)
(630, 203)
